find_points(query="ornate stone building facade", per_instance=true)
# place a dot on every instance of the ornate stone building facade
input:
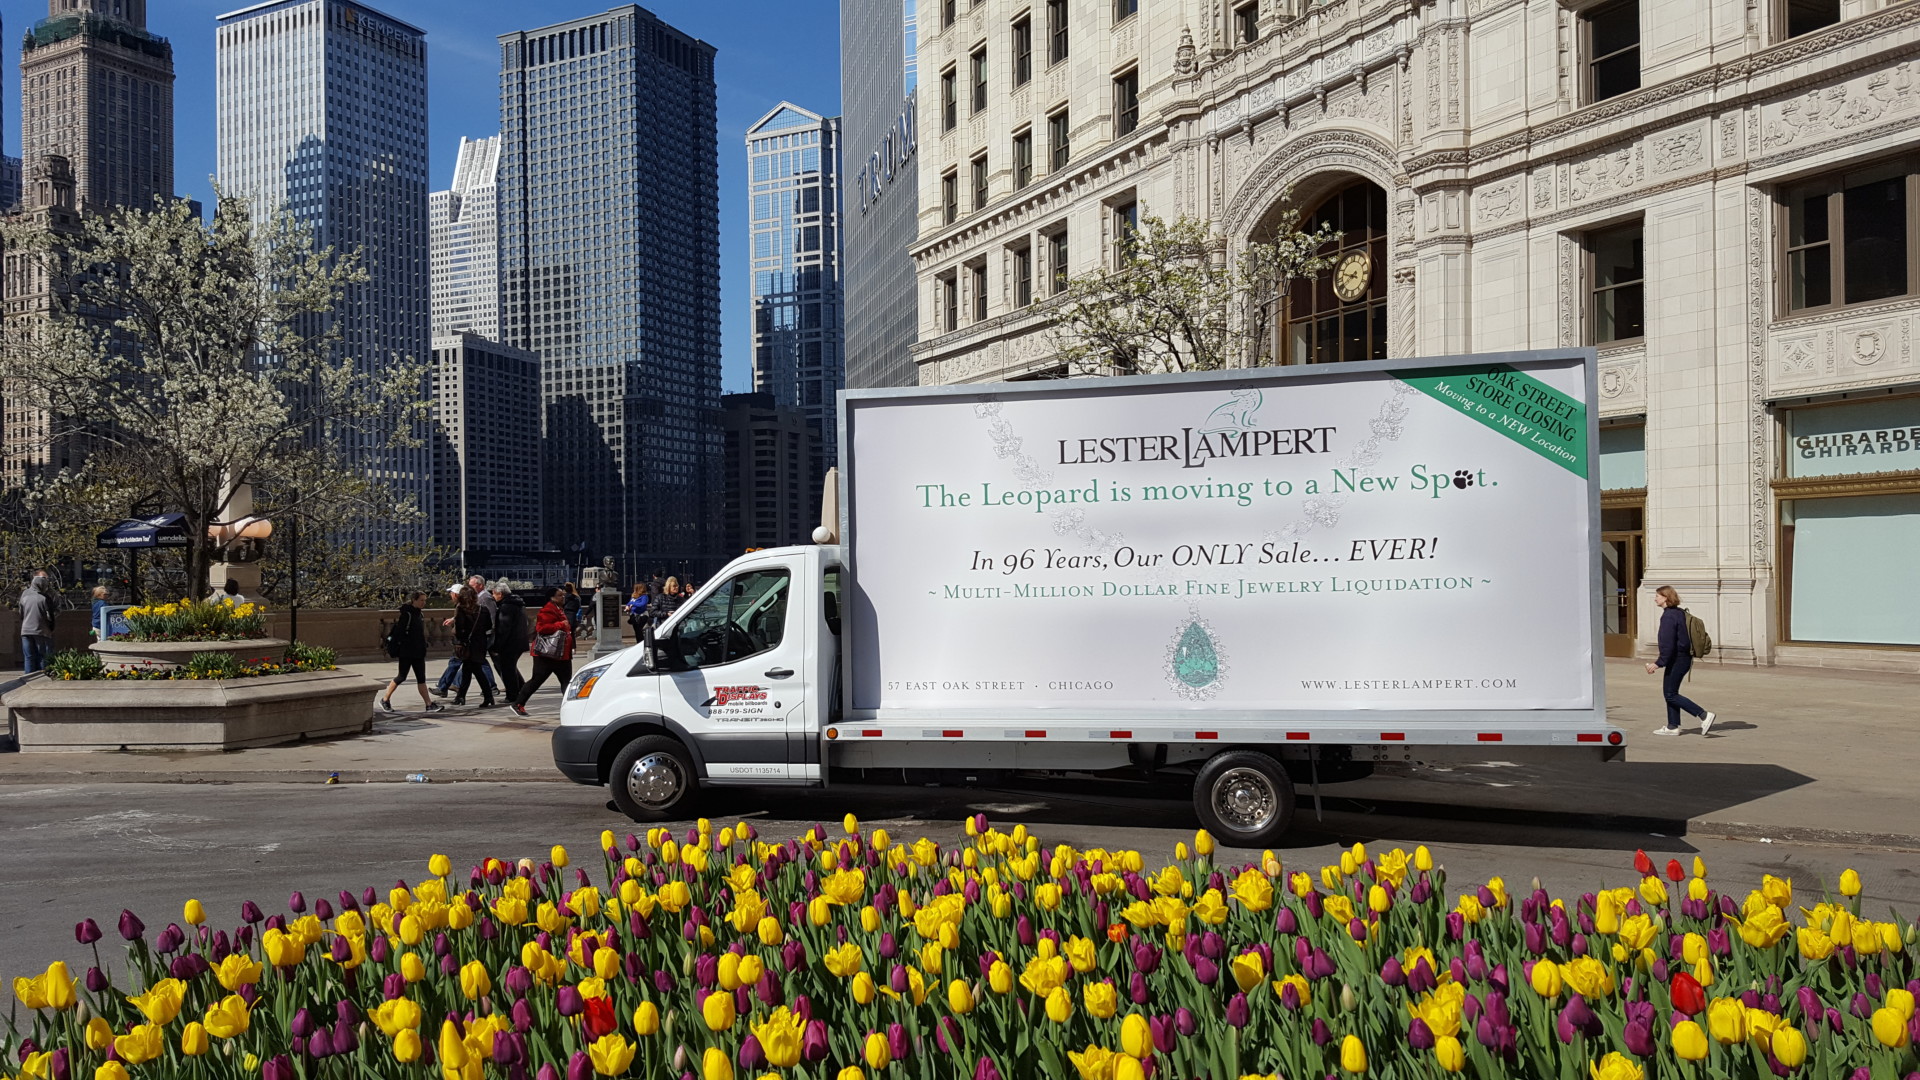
(1722, 197)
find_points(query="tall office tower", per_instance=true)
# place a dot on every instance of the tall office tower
(881, 204)
(793, 159)
(465, 228)
(97, 90)
(9, 165)
(486, 443)
(772, 473)
(610, 271)
(323, 111)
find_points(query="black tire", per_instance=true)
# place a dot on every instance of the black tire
(653, 779)
(1243, 797)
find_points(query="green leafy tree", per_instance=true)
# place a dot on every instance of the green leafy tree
(1177, 301)
(199, 356)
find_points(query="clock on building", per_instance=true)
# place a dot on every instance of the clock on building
(1351, 274)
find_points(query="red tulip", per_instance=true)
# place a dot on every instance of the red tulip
(1642, 863)
(598, 1018)
(1675, 872)
(1688, 995)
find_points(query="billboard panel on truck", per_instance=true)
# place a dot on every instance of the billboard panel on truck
(1406, 536)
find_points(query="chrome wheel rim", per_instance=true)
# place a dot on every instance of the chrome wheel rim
(1245, 799)
(655, 781)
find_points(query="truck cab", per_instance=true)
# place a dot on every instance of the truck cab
(734, 688)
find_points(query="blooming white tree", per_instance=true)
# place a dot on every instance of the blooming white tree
(1176, 301)
(193, 357)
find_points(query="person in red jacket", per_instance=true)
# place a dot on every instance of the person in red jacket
(552, 649)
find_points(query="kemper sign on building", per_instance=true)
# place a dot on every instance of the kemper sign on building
(1413, 537)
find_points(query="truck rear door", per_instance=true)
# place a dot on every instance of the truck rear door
(745, 672)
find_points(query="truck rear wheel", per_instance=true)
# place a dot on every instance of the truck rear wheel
(652, 779)
(1244, 798)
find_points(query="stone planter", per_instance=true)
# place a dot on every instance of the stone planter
(186, 714)
(129, 655)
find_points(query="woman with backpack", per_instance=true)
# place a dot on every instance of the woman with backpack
(552, 649)
(407, 643)
(1676, 656)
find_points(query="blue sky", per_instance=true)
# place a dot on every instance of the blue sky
(768, 50)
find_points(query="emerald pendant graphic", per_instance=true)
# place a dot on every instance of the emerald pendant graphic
(1196, 665)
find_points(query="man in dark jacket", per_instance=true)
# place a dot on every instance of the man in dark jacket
(509, 638)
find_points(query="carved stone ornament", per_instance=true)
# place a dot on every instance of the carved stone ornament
(1184, 61)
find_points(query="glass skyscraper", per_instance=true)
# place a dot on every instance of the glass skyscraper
(880, 204)
(610, 272)
(793, 163)
(464, 223)
(323, 111)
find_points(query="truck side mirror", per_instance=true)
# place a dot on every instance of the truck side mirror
(663, 654)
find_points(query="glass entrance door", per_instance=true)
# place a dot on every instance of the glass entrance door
(1621, 553)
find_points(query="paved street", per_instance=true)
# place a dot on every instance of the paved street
(1809, 773)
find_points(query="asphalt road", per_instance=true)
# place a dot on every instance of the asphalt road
(70, 852)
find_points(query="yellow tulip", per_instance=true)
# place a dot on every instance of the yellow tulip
(1248, 970)
(142, 1044)
(193, 1040)
(1254, 889)
(1203, 843)
(1689, 1042)
(1449, 1054)
(959, 997)
(228, 1017)
(1128, 1068)
(110, 1070)
(1653, 890)
(851, 1072)
(558, 856)
(1353, 1054)
(611, 1054)
(1900, 1000)
(439, 865)
(717, 1010)
(453, 1050)
(716, 1065)
(862, 988)
(1080, 953)
(1545, 979)
(475, 983)
(1136, 1036)
(1890, 1028)
(1422, 859)
(161, 1003)
(1727, 1019)
(1047, 896)
(1790, 1047)
(1094, 1063)
(1300, 988)
(1060, 1005)
(771, 934)
(877, 1054)
(1000, 977)
(1180, 851)
(99, 1034)
(194, 914)
(1588, 977)
(1616, 1066)
(1378, 900)
(1777, 891)
(236, 970)
(412, 968)
(1814, 945)
(1100, 998)
(406, 1045)
(1849, 883)
(410, 929)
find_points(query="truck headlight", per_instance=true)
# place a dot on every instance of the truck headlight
(583, 682)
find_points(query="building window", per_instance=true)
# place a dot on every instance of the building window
(949, 286)
(1056, 31)
(1057, 259)
(1058, 148)
(1022, 276)
(980, 182)
(949, 99)
(1124, 9)
(1850, 237)
(1612, 34)
(949, 11)
(950, 196)
(1022, 159)
(1319, 326)
(978, 66)
(977, 282)
(1126, 103)
(1617, 273)
(1126, 222)
(1798, 17)
(1023, 50)
(1246, 22)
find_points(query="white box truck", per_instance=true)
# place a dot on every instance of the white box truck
(1251, 578)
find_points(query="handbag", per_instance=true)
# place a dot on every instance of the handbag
(462, 653)
(550, 646)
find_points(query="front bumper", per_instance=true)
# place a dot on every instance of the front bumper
(574, 754)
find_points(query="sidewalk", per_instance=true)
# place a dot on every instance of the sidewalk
(1797, 754)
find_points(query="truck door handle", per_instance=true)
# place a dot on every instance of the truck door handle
(779, 672)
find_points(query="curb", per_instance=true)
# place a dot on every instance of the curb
(284, 776)
(1741, 830)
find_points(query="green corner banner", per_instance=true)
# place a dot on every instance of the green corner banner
(1515, 404)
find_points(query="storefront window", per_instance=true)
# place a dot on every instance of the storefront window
(1623, 458)
(1850, 523)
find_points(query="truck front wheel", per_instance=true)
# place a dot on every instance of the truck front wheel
(652, 779)
(1244, 798)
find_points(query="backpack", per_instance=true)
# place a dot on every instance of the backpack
(392, 638)
(1701, 642)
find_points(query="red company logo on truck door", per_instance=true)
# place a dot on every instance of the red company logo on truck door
(735, 695)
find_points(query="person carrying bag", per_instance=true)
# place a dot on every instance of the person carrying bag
(551, 646)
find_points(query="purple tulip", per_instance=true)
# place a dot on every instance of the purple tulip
(1162, 1030)
(97, 981)
(1290, 996)
(1639, 1038)
(1184, 1022)
(1458, 968)
(1286, 922)
(1579, 944)
(1206, 971)
(303, 1025)
(1023, 930)
(522, 1015)
(1137, 988)
(793, 954)
(277, 1067)
(984, 1070)
(1874, 987)
(297, 903)
(897, 1042)
(813, 1042)
(1313, 902)
(344, 1040)
(62, 1065)
(1422, 891)
(1419, 1035)
(320, 1044)
(1456, 925)
(250, 993)
(898, 979)
(663, 981)
(751, 1056)
(1536, 939)
(1660, 971)
(1322, 1034)
(578, 1067)
(1720, 942)
(187, 966)
(1238, 1014)
(1861, 1073)
(131, 927)
(547, 1072)
(1212, 946)
(1319, 965)
(888, 947)
(706, 971)
(86, 931)
(569, 1002)
(1421, 979)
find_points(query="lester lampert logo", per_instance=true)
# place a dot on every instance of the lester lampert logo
(1231, 430)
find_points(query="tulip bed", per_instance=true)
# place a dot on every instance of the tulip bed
(848, 956)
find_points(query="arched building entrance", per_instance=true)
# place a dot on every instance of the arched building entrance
(1342, 315)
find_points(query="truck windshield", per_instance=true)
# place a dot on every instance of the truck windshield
(745, 616)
